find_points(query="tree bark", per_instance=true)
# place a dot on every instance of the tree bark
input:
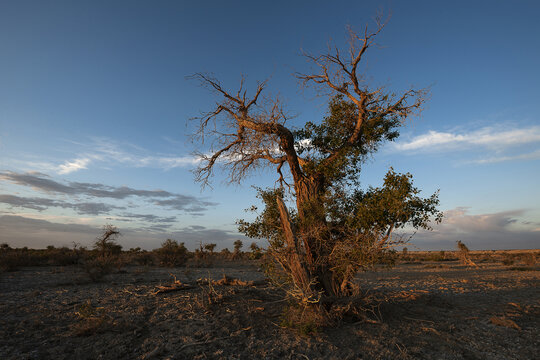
(297, 267)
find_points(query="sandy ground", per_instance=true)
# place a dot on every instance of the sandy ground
(424, 311)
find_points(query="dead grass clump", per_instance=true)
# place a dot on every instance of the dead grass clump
(92, 320)
(521, 268)
(508, 259)
(529, 259)
(504, 321)
(305, 319)
(209, 297)
(98, 268)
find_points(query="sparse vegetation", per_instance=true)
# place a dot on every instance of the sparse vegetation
(202, 313)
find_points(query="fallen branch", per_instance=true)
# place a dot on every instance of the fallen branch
(177, 285)
(236, 333)
(413, 319)
(226, 280)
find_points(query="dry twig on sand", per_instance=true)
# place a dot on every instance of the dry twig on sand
(175, 286)
(226, 280)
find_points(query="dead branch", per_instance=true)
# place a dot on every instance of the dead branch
(177, 285)
(226, 280)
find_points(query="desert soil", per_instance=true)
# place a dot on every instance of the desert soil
(417, 311)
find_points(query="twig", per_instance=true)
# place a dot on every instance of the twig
(202, 342)
(413, 319)
(213, 340)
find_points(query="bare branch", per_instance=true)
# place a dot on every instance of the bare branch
(260, 138)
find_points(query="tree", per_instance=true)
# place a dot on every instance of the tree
(256, 251)
(237, 254)
(210, 247)
(238, 245)
(335, 228)
(463, 254)
(105, 244)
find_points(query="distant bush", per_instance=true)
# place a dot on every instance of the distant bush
(529, 259)
(463, 254)
(225, 254)
(136, 256)
(237, 254)
(12, 259)
(256, 252)
(508, 259)
(440, 256)
(106, 245)
(107, 254)
(61, 256)
(171, 253)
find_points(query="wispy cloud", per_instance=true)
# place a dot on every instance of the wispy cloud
(102, 152)
(40, 204)
(43, 183)
(108, 151)
(145, 217)
(492, 137)
(535, 155)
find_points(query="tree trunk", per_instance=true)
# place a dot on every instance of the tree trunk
(294, 261)
(313, 232)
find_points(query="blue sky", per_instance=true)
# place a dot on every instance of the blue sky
(94, 110)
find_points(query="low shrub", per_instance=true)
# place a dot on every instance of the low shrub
(97, 268)
(171, 253)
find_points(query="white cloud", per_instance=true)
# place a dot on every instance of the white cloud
(106, 150)
(167, 162)
(71, 166)
(535, 155)
(493, 137)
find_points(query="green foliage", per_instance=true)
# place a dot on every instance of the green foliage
(392, 206)
(332, 136)
(267, 225)
(359, 224)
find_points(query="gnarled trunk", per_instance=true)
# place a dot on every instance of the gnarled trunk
(308, 265)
